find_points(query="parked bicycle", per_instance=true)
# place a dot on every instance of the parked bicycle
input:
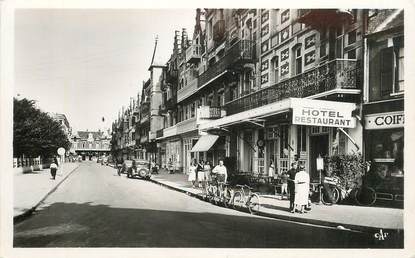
(218, 192)
(245, 197)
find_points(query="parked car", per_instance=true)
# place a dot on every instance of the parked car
(141, 169)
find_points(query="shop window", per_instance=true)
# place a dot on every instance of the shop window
(339, 141)
(386, 153)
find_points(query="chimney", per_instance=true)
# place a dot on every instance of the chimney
(184, 38)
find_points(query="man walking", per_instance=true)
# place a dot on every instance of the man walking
(291, 185)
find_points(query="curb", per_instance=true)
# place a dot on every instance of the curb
(29, 212)
(363, 229)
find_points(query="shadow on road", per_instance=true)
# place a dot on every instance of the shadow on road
(86, 225)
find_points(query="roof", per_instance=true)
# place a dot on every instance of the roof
(85, 134)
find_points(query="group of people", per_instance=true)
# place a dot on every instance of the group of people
(200, 172)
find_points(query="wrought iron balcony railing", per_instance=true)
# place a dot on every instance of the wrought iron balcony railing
(337, 74)
(240, 52)
(206, 112)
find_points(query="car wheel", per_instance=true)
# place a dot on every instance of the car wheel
(142, 173)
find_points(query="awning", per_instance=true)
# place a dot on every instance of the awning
(204, 143)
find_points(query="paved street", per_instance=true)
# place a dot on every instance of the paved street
(95, 207)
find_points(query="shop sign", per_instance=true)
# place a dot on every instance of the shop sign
(385, 120)
(323, 113)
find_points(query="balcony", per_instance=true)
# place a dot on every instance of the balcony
(320, 18)
(170, 131)
(219, 30)
(206, 112)
(239, 53)
(186, 126)
(193, 53)
(330, 78)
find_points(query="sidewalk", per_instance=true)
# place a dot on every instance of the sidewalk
(31, 189)
(367, 219)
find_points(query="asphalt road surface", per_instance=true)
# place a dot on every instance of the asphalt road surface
(95, 207)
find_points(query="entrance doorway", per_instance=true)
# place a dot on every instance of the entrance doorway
(319, 145)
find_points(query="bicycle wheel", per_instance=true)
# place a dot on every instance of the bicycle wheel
(365, 196)
(226, 197)
(335, 197)
(237, 200)
(253, 204)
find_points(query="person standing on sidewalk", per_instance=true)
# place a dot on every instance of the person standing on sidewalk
(302, 188)
(200, 173)
(221, 172)
(54, 168)
(291, 185)
(192, 173)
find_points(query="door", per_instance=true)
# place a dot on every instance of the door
(319, 145)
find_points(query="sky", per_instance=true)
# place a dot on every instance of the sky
(87, 63)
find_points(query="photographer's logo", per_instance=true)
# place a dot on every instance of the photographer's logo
(381, 235)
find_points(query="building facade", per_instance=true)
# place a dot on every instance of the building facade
(272, 86)
(383, 102)
(91, 144)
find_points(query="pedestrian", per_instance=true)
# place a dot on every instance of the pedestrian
(192, 173)
(302, 188)
(54, 168)
(200, 173)
(271, 171)
(284, 185)
(291, 185)
(207, 169)
(221, 172)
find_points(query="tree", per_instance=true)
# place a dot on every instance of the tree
(35, 133)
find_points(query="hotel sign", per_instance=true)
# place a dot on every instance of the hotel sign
(385, 120)
(323, 113)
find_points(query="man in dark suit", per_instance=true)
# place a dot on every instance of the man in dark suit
(291, 184)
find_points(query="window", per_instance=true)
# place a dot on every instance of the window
(255, 23)
(186, 113)
(285, 16)
(192, 110)
(275, 70)
(323, 49)
(283, 141)
(301, 139)
(351, 54)
(210, 29)
(351, 37)
(298, 61)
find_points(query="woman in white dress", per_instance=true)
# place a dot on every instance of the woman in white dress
(192, 173)
(302, 187)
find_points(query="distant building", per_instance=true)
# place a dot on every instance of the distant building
(61, 118)
(90, 144)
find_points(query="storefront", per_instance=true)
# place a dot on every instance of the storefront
(291, 130)
(384, 147)
(173, 150)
